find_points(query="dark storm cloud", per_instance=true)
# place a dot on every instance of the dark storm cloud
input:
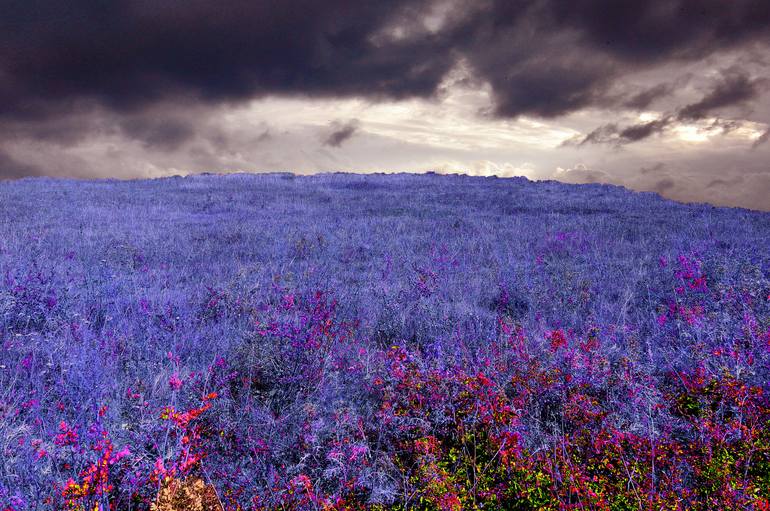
(554, 57)
(644, 99)
(643, 130)
(602, 135)
(61, 128)
(735, 88)
(543, 58)
(166, 134)
(130, 53)
(341, 132)
(614, 135)
(646, 31)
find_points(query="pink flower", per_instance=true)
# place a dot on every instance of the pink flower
(174, 382)
(120, 455)
(67, 436)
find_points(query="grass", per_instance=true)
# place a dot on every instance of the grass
(381, 342)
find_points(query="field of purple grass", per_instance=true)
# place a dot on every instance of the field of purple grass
(350, 342)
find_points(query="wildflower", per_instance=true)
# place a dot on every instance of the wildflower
(67, 435)
(174, 382)
(558, 340)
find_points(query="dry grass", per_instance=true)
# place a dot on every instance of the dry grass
(191, 494)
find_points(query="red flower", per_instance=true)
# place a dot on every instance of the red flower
(558, 340)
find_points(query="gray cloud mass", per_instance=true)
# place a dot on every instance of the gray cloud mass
(340, 132)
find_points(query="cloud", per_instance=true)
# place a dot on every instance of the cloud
(543, 58)
(130, 54)
(554, 57)
(652, 169)
(167, 134)
(735, 87)
(724, 182)
(603, 134)
(264, 136)
(763, 138)
(643, 32)
(663, 185)
(581, 174)
(485, 168)
(617, 136)
(341, 132)
(724, 126)
(643, 130)
(11, 168)
(644, 99)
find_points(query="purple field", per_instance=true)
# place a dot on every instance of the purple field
(381, 342)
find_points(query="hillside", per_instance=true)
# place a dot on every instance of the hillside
(405, 341)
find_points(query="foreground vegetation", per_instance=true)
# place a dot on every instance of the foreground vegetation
(381, 342)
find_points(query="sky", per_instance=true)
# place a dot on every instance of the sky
(671, 96)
